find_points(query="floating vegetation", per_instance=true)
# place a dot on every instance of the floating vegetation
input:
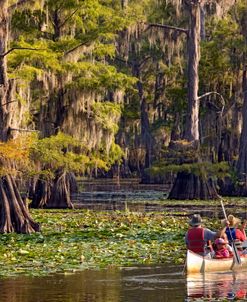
(74, 240)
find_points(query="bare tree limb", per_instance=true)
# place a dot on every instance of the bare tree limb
(76, 47)
(182, 30)
(214, 92)
(8, 103)
(69, 17)
(23, 130)
(18, 48)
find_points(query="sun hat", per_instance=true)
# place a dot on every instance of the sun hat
(233, 221)
(220, 241)
(196, 220)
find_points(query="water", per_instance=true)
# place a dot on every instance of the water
(224, 285)
(133, 284)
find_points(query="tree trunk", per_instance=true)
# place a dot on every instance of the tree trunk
(56, 194)
(242, 160)
(5, 87)
(192, 121)
(189, 185)
(60, 197)
(13, 213)
(146, 138)
(42, 194)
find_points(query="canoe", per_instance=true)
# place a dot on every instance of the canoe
(199, 264)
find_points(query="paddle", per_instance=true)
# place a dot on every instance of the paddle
(235, 250)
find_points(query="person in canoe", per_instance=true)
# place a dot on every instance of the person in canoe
(221, 249)
(243, 227)
(197, 237)
(234, 233)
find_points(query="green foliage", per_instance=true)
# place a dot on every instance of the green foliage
(63, 152)
(132, 110)
(202, 169)
(98, 77)
(116, 154)
(106, 114)
(60, 152)
(221, 55)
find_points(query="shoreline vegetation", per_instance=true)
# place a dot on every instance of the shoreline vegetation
(72, 240)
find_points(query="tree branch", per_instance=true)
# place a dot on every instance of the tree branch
(75, 48)
(8, 103)
(182, 30)
(67, 19)
(18, 48)
(23, 130)
(144, 60)
(214, 92)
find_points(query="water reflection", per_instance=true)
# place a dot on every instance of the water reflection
(130, 284)
(133, 284)
(218, 285)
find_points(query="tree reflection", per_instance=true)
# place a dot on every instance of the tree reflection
(87, 286)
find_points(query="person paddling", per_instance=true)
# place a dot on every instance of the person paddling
(233, 232)
(197, 236)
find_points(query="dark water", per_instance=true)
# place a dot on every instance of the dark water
(112, 285)
(138, 284)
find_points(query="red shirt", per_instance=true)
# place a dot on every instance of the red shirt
(239, 235)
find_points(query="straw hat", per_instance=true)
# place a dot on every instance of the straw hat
(196, 220)
(233, 221)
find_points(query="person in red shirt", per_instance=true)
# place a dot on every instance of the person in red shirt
(243, 227)
(198, 236)
(233, 232)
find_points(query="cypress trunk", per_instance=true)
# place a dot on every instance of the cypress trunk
(61, 191)
(189, 185)
(56, 194)
(14, 215)
(242, 160)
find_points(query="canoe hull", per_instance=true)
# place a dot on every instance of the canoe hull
(198, 264)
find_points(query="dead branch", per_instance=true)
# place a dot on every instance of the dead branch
(18, 48)
(214, 92)
(23, 130)
(169, 27)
